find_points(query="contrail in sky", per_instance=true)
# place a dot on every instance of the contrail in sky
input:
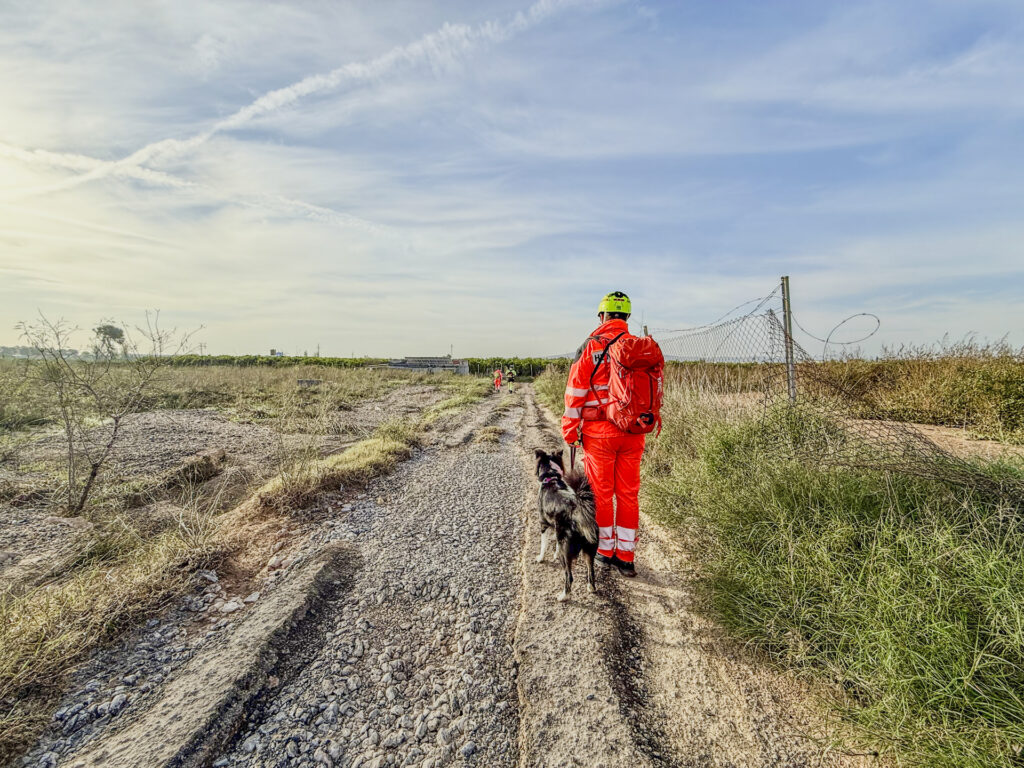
(434, 49)
(83, 163)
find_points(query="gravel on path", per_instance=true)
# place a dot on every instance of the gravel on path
(416, 664)
(446, 645)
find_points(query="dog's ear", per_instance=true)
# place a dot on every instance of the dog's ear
(539, 453)
(557, 456)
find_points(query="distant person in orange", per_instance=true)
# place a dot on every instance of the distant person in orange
(612, 399)
(497, 379)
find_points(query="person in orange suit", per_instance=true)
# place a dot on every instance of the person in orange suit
(611, 456)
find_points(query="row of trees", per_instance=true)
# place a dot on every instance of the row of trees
(525, 366)
(483, 366)
(268, 360)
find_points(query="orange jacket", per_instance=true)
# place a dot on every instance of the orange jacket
(587, 389)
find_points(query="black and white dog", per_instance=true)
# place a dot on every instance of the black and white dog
(566, 505)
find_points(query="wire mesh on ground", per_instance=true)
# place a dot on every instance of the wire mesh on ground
(741, 358)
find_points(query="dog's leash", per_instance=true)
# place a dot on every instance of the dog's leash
(572, 457)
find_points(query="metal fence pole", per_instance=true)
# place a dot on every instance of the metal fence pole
(787, 317)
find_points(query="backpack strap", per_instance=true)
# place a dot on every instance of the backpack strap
(604, 359)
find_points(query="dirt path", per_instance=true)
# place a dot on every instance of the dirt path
(388, 641)
(680, 693)
(415, 665)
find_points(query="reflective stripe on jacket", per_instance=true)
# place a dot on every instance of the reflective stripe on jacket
(586, 397)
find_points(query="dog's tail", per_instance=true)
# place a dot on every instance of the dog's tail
(583, 510)
(583, 520)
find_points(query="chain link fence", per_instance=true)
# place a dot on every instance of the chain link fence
(808, 407)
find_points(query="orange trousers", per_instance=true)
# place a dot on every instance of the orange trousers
(613, 468)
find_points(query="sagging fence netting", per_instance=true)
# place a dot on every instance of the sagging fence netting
(810, 409)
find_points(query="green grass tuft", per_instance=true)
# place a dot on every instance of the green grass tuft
(906, 592)
(550, 388)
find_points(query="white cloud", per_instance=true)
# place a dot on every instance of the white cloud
(482, 183)
(436, 50)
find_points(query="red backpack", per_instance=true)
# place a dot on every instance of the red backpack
(635, 383)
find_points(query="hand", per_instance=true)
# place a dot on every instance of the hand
(577, 443)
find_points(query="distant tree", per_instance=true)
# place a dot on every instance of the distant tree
(109, 339)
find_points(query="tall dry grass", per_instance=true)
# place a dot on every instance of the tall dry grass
(979, 387)
(903, 594)
(550, 388)
(261, 393)
(44, 632)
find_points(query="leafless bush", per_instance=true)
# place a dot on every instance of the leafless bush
(94, 393)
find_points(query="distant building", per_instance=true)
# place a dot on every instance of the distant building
(276, 353)
(431, 364)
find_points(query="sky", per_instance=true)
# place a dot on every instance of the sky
(401, 177)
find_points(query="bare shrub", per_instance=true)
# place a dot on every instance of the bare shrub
(94, 393)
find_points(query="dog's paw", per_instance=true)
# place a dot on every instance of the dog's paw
(539, 559)
(591, 588)
(563, 597)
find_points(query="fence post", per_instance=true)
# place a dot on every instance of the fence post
(787, 322)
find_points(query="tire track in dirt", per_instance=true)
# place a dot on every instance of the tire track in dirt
(415, 665)
(625, 663)
(571, 713)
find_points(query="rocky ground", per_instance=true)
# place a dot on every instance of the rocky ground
(416, 664)
(435, 639)
(32, 537)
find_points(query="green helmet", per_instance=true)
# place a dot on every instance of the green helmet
(616, 302)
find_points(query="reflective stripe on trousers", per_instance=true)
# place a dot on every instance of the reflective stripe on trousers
(625, 538)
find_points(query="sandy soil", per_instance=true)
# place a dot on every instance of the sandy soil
(960, 442)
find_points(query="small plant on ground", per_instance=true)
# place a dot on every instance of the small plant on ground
(490, 434)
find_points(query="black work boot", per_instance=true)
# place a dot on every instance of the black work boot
(626, 569)
(604, 559)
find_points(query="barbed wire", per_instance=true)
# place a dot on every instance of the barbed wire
(827, 340)
(762, 301)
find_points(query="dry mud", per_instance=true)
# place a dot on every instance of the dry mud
(412, 626)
